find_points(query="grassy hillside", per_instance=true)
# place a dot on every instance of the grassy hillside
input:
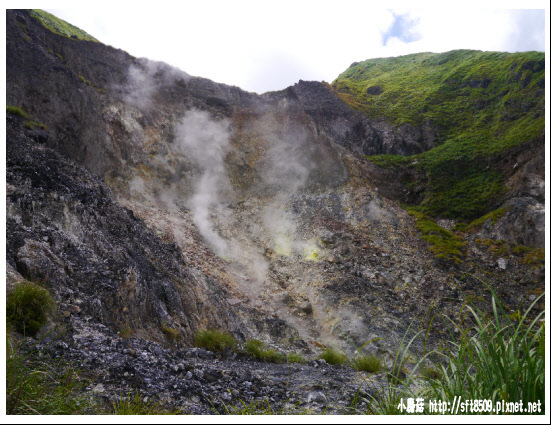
(59, 26)
(482, 104)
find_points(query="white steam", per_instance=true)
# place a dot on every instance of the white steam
(145, 78)
(285, 170)
(206, 142)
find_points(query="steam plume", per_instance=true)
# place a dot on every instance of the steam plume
(206, 142)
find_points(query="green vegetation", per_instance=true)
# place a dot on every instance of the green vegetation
(500, 248)
(494, 356)
(14, 110)
(172, 334)
(255, 348)
(214, 340)
(367, 363)
(481, 103)
(28, 306)
(84, 80)
(444, 244)
(493, 216)
(262, 407)
(23, 27)
(42, 389)
(135, 404)
(502, 359)
(296, 358)
(333, 356)
(31, 125)
(19, 112)
(59, 26)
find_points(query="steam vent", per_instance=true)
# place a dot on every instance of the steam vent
(208, 250)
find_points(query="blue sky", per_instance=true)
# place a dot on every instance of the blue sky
(263, 46)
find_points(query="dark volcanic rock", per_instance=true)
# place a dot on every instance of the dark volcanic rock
(64, 228)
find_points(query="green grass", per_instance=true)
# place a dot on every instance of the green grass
(214, 340)
(296, 358)
(42, 389)
(31, 125)
(500, 359)
(481, 103)
(461, 92)
(256, 349)
(172, 334)
(367, 363)
(135, 404)
(333, 356)
(443, 243)
(28, 306)
(59, 26)
(262, 407)
(491, 356)
(15, 110)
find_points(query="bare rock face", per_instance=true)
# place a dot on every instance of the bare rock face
(65, 229)
(523, 223)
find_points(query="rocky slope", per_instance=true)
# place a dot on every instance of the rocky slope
(145, 198)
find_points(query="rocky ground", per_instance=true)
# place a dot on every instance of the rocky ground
(197, 381)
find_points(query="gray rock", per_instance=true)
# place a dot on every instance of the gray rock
(316, 397)
(98, 389)
(502, 263)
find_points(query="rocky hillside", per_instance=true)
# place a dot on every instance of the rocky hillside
(474, 123)
(153, 204)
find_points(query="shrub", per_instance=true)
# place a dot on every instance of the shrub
(214, 340)
(28, 306)
(332, 356)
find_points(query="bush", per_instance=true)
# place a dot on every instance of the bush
(214, 340)
(28, 306)
(332, 356)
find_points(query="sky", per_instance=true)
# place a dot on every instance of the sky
(269, 45)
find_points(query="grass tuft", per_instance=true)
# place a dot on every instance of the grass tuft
(28, 306)
(214, 340)
(332, 356)
(296, 358)
(255, 348)
(171, 333)
(367, 363)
